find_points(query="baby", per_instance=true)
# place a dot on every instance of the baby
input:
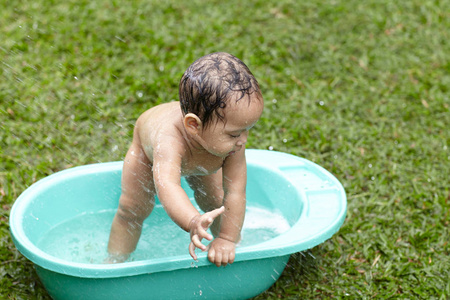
(201, 138)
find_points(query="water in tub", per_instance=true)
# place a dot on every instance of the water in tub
(84, 238)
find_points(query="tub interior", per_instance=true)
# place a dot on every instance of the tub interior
(94, 193)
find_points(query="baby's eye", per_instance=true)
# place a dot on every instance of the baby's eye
(235, 136)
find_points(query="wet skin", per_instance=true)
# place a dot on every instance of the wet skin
(167, 145)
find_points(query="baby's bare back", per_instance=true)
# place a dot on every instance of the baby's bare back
(161, 129)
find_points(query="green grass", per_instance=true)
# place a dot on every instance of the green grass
(359, 87)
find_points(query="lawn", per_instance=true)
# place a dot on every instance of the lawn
(359, 87)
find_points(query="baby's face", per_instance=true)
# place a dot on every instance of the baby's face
(225, 138)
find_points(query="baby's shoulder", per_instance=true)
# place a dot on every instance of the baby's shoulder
(163, 117)
(159, 127)
(160, 112)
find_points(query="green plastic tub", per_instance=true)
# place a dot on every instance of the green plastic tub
(61, 224)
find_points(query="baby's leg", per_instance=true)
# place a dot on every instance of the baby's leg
(135, 204)
(208, 192)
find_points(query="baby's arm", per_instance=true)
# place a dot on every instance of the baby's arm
(166, 174)
(222, 248)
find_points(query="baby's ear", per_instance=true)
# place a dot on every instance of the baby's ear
(192, 123)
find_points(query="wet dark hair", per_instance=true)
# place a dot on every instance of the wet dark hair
(211, 81)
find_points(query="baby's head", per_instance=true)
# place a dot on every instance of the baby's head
(211, 82)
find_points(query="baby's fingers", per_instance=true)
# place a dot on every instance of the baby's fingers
(192, 251)
(203, 234)
(206, 222)
(217, 212)
(197, 243)
(211, 255)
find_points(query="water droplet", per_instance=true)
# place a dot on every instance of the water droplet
(373, 178)
(322, 103)
(284, 140)
(140, 94)
(274, 101)
(370, 165)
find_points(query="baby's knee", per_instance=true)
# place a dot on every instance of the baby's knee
(132, 213)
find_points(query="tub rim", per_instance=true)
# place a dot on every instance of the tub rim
(284, 244)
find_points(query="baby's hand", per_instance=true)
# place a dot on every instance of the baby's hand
(198, 227)
(221, 252)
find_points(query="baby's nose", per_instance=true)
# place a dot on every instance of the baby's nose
(243, 139)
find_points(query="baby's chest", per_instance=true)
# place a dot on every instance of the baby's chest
(201, 165)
